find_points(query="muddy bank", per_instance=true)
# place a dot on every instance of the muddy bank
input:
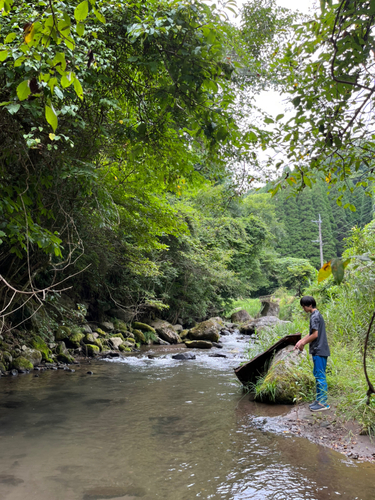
(323, 428)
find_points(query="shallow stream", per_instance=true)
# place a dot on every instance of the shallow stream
(142, 428)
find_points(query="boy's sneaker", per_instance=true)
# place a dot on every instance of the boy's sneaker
(313, 404)
(319, 407)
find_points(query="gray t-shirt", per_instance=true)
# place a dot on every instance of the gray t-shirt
(319, 346)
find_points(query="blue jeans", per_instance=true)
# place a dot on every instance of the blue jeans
(320, 365)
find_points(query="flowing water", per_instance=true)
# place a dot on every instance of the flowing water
(142, 428)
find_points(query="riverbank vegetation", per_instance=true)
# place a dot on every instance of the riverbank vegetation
(347, 310)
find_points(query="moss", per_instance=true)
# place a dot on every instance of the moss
(118, 335)
(183, 334)
(63, 332)
(22, 364)
(2, 367)
(89, 339)
(130, 339)
(139, 336)
(39, 344)
(120, 325)
(75, 339)
(92, 350)
(124, 348)
(65, 358)
(100, 332)
(143, 327)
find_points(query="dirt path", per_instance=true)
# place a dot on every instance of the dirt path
(324, 428)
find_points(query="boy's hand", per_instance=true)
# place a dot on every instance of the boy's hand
(300, 345)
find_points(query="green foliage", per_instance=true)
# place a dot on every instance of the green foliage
(294, 274)
(252, 306)
(328, 70)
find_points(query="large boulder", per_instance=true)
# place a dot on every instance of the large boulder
(143, 327)
(74, 340)
(22, 365)
(207, 330)
(241, 316)
(198, 344)
(115, 342)
(33, 355)
(107, 326)
(256, 325)
(269, 308)
(39, 344)
(62, 333)
(282, 382)
(165, 331)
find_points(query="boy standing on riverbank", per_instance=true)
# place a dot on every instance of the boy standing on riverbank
(319, 350)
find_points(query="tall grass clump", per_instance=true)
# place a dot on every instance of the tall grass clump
(252, 306)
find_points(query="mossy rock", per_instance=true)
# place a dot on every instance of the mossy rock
(7, 359)
(207, 330)
(121, 325)
(62, 333)
(118, 335)
(139, 336)
(143, 327)
(89, 339)
(92, 350)
(65, 358)
(39, 344)
(33, 355)
(130, 339)
(74, 340)
(61, 348)
(100, 332)
(284, 378)
(124, 348)
(2, 367)
(22, 364)
(183, 334)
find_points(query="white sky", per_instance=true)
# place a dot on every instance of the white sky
(271, 101)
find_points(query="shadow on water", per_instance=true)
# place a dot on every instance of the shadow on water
(159, 429)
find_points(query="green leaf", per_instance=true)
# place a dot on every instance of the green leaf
(67, 80)
(10, 37)
(23, 90)
(296, 101)
(99, 15)
(278, 117)
(13, 108)
(337, 270)
(59, 60)
(80, 29)
(78, 88)
(51, 117)
(3, 55)
(81, 11)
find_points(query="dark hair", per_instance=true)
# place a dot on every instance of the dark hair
(307, 301)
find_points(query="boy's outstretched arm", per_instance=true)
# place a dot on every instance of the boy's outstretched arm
(306, 340)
